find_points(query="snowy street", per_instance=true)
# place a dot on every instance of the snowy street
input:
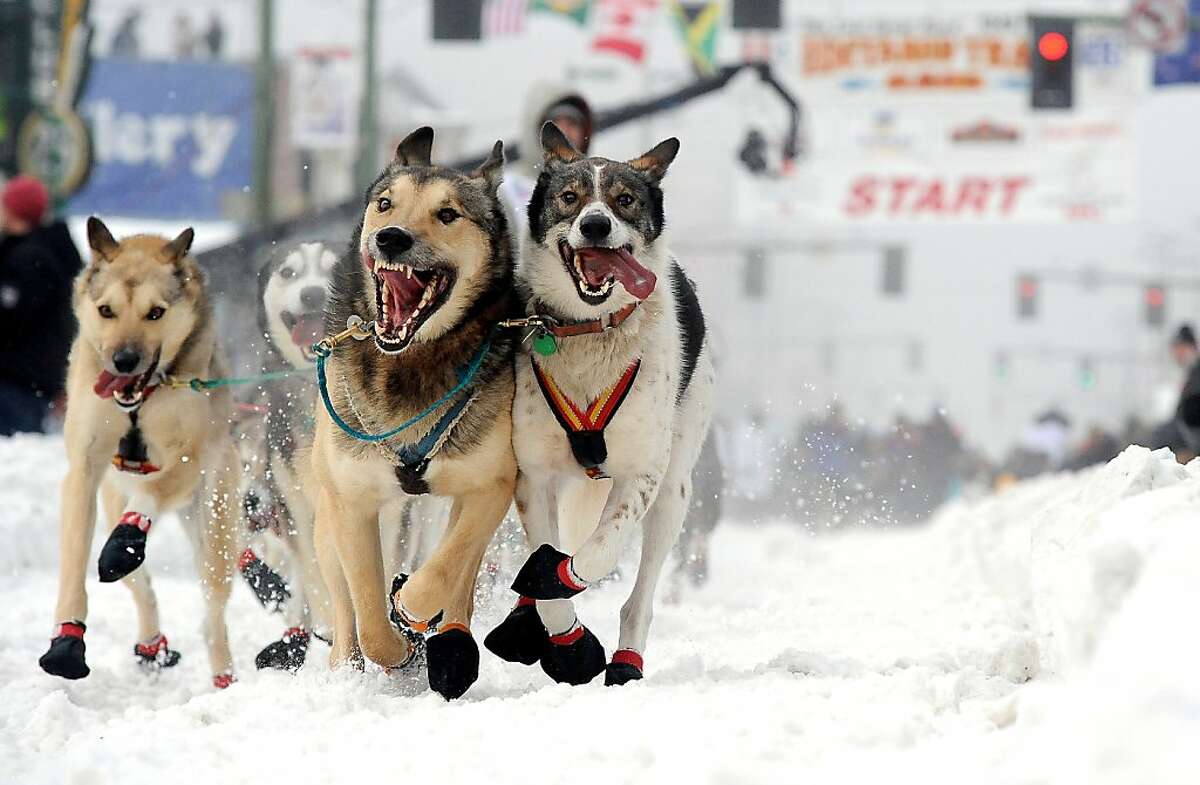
(1001, 644)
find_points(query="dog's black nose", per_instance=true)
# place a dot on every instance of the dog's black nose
(312, 298)
(126, 359)
(393, 240)
(595, 226)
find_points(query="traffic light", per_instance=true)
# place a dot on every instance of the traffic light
(1002, 365)
(1027, 296)
(1087, 373)
(1156, 305)
(895, 258)
(1051, 61)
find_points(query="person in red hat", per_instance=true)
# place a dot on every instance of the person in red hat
(38, 263)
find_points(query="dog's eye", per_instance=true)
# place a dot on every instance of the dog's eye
(383, 204)
(287, 272)
(625, 200)
(569, 197)
(447, 216)
(106, 312)
(156, 313)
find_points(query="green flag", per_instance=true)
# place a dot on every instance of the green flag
(577, 10)
(699, 23)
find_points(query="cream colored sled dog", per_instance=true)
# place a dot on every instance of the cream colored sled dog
(144, 319)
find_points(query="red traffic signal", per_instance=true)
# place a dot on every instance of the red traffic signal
(1053, 46)
(1156, 305)
(1027, 296)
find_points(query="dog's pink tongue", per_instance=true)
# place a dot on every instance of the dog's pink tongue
(306, 332)
(598, 263)
(109, 383)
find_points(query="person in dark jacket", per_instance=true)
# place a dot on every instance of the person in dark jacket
(37, 267)
(1182, 432)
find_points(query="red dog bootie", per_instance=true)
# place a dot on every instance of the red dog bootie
(626, 666)
(125, 549)
(521, 637)
(286, 654)
(223, 680)
(269, 586)
(573, 657)
(156, 653)
(547, 575)
(65, 657)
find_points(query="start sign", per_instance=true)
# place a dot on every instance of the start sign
(907, 198)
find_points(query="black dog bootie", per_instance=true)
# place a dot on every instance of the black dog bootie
(574, 657)
(547, 575)
(269, 586)
(125, 549)
(286, 654)
(65, 657)
(155, 653)
(452, 660)
(626, 666)
(521, 637)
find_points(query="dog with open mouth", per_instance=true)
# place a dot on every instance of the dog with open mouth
(149, 447)
(422, 406)
(612, 404)
(277, 499)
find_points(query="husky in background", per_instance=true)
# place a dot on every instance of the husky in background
(430, 270)
(612, 405)
(277, 502)
(150, 448)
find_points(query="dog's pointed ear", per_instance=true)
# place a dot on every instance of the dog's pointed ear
(416, 148)
(556, 146)
(179, 247)
(100, 239)
(656, 161)
(491, 171)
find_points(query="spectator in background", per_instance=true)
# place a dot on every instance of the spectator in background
(183, 38)
(125, 42)
(37, 267)
(214, 36)
(544, 103)
(1175, 432)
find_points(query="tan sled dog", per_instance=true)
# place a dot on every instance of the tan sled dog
(144, 319)
(431, 270)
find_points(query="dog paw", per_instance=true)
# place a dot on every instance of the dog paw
(66, 656)
(452, 661)
(626, 666)
(269, 586)
(520, 637)
(547, 575)
(574, 657)
(223, 681)
(155, 653)
(123, 553)
(287, 653)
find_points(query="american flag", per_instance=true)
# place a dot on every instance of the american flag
(504, 17)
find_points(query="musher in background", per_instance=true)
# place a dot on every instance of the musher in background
(1180, 432)
(38, 265)
(544, 103)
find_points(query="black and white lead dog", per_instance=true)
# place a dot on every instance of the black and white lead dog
(612, 404)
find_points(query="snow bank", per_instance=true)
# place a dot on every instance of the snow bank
(1103, 566)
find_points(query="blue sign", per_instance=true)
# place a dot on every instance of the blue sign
(1183, 66)
(170, 140)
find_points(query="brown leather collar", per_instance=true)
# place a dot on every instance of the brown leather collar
(561, 329)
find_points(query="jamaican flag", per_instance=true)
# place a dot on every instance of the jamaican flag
(577, 10)
(698, 23)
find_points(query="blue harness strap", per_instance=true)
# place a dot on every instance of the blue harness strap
(465, 377)
(413, 454)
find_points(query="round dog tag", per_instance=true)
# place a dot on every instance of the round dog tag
(545, 344)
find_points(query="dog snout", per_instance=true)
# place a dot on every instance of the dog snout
(126, 359)
(595, 227)
(393, 240)
(312, 298)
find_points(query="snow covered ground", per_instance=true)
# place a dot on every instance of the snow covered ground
(1046, 634)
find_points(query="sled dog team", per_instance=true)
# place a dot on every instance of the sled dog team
(575, 382)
